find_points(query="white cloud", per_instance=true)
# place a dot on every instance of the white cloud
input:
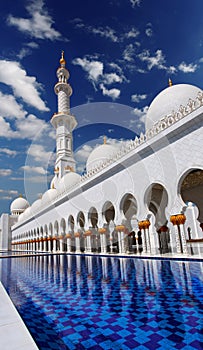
(187, 68)
(34, 169)
(23, 86)
(30, 127)
(5, 129)
(149, 32)
(8, 151)
(95, 74)
(135, 3)
(172, 69)
(5, 172)
(153, 61)
(128, 53)
(93, 68)
(138, 97)
(106, 32)
(25, 128)
(133, 33)
(6, 198)
(39, 25)
(112, 93)
(39, 153)
(140, 115)
(32, 45)
(9, 107)
(116, 67)
(112, 78)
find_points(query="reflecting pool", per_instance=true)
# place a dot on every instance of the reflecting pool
(91, 302)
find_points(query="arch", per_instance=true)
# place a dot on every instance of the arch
(81, 219)
(93, 217)
(63, 225)
(46, 229)
(56, 227)
(108, 211)
(50, 229)
(156, 198)
(190, 189)
(128, 205)
(71, 222)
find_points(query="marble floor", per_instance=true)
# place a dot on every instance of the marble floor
(13, 332)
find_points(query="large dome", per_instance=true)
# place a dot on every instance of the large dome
(169, 100)
(18, 206)
(100, 155)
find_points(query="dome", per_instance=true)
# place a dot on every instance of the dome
(100, 155)
(18, 206)
(169, 100)
(49, 195)
(68, 180)
(36, 205)
(27, 212)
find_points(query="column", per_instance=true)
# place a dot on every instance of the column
(178, 223)
(88, 247)
(77, 242)
(102, 232)
(144, 228)
(121, 237)
(68, 237)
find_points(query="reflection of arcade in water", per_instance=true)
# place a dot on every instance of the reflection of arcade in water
(135, 290)
(70, 271)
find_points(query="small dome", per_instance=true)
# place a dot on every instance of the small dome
(100, 155)
(36, 205)
(18, 206)
(68, 180)
(49, 195)
(21, 217)
(27, 212)
(169, 100)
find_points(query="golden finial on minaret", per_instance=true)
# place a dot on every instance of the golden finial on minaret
(62, 60)
(170, 82)
(20, 195)
(105, 139)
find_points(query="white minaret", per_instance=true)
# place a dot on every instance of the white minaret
(63, 122)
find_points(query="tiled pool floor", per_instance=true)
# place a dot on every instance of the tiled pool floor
(85, 302)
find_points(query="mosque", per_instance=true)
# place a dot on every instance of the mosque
(145, 198)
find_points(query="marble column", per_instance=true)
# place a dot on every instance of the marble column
(178, 222)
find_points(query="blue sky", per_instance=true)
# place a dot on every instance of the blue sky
(120, 55)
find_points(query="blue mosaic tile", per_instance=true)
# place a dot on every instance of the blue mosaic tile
(87, 303)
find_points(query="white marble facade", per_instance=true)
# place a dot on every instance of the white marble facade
(153, 186)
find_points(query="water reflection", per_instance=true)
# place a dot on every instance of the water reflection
(134, 294)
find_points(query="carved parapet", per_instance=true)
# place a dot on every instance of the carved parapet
(178, 219)
(191, 105)
(200, 98)
(183, 110)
